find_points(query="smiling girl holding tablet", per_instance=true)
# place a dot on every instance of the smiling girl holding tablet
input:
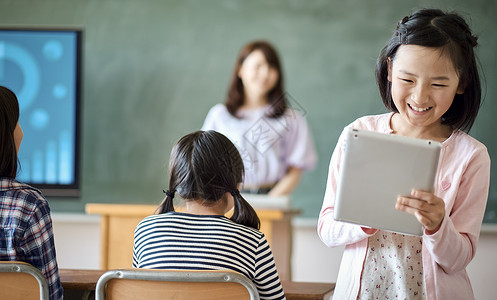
(428, 77)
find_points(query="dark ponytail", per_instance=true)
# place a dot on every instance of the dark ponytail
(166, 204)
(243, 212)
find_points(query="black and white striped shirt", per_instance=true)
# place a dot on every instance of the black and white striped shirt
(196, 242)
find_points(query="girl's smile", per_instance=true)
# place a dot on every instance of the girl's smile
(418, 109)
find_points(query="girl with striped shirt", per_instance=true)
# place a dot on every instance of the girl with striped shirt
(206, 170)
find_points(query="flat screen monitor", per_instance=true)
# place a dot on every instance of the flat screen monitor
(43, 68)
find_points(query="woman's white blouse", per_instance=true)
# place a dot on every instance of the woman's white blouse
(268, 146)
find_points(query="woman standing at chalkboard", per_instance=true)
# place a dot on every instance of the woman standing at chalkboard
(273, 139)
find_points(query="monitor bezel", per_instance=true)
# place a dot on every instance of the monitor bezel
(72, 189)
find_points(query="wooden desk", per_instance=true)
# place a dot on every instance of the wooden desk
(118, 223)
(81, 284)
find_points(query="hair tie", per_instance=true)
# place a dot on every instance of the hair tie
(169, 193)
(235, 193)
(401, 31)
(402, 34)
(473, 40)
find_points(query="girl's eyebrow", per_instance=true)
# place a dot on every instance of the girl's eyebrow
(442, 77)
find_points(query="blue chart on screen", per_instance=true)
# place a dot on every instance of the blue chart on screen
(40, 67)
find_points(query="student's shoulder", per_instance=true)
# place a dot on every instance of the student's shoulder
(255, 233)
(380, 122)
(463, 143)
(28, 194)
(28, 200)
(157, 217)
(152, 221)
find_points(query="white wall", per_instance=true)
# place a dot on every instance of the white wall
(77, 239)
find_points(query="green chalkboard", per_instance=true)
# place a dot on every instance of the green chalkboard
(153, 68)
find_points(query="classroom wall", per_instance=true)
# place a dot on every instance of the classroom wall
(153, 68)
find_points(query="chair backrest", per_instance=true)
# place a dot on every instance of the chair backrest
(22, 281)
(174, 284)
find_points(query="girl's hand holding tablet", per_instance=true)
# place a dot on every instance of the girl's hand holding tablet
(425, 206)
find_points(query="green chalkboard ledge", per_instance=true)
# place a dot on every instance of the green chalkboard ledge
(487, 228)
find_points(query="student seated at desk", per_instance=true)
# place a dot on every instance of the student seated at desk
(206, 170)
(25, 222)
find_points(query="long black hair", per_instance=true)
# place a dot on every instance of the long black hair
(9, 116)
(204, 166)
(450, 33)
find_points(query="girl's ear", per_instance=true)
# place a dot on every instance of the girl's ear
(389, 67)
(460, 90)
(462, 86)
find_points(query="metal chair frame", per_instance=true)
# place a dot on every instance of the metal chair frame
(22, 267)
(175, 276)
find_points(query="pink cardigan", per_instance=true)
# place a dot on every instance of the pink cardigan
(462, 181)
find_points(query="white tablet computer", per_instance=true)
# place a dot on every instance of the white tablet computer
(375, 168)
